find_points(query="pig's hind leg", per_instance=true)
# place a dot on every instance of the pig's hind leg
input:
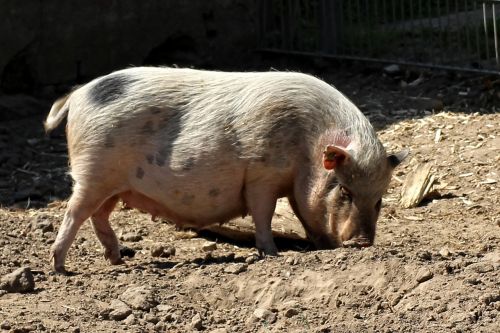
(104, 232)
(82, 204)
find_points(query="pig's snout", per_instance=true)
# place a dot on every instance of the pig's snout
(357, 242)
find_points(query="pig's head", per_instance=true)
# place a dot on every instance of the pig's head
(350, 196)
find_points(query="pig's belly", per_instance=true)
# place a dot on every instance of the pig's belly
(195, 199)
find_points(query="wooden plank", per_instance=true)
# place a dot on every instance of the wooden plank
(417, 186)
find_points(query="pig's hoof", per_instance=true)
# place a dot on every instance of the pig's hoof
(61, 271)
(268, 252)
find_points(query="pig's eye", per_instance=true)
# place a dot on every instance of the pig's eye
(378, 205)
(345, 194)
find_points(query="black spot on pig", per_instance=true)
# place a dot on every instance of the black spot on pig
(214, 192)
(109, 142)
(139, 173)
(110, 88)
(154, 110)
(147, 128)
(187, 199)
(150, 158)
(188, 164)
(161, 157)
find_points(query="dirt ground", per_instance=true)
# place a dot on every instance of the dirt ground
(434, 268)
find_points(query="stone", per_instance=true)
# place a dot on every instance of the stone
(209, 246)
(480, 267)
(236, 268)
(131, 237)
(119, 310)
(130, 320)
(219, 330)
(42, 223)
(444, 252)
(157, 250)
(265, 315)
(251, 259)
(196, 322)
(19, 281)
(6, 325)
(139, 298)
(424, 274)
(289, 313)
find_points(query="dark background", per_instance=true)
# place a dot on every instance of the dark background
(48, 45)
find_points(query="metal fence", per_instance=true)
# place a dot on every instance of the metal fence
(448, 34)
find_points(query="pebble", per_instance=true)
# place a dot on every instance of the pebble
(236, 268)
(265, 315)
(209, 246)
(19, 281)
(151, 318)
(139, 298)
(42, 223)
(157, 250)
(219, 330)
(130, 320)
(424, 274)
(251, 259)
(289, 313)
(444, 252)
(131, 237)
(5, 325)
(196, 322)
(481, 267)
(164, 308)
(119, 310)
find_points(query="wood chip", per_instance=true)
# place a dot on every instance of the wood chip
(417, 186)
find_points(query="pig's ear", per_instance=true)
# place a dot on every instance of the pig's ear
(334, 156)
(396, 159)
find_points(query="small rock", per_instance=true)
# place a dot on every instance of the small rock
(139, 298)
(236, 268)
(424, 274)
(196, 322)
(493, 257)
(131, 237)
(119, 310)
(127, 252)
(444, 252)
(219, 330)
(481, 267)
(209, 246)
(2, 292)
(164, 308)
(157, 250)
(265, 315)
(251, 259)
(130, 320)
(151, 318)
(19, 281)
(392, 69)
(169, 251)
(5, 325)
(42, 223)
(289, 313)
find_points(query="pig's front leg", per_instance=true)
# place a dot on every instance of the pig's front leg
(261, 203)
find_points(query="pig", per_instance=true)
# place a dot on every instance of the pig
(202, 147)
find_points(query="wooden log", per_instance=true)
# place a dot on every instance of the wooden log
(417, 186)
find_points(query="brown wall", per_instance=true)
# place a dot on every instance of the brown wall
(56, 42)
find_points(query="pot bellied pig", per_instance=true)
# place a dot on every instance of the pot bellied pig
(202, 147)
